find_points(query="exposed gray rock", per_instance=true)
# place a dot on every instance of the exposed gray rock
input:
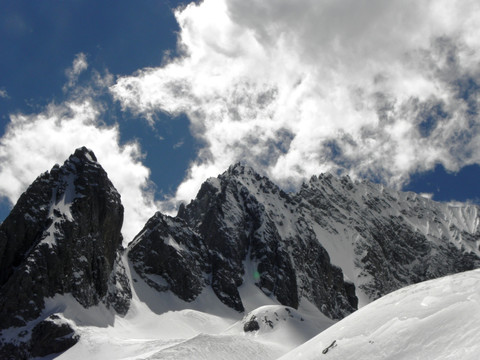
(242, 219)
(251, 325)
(397, 238)
(241, 223)
(63, 236)
(170, 256)
(51, 337)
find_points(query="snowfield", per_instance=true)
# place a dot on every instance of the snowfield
(162, 326)
(437, 319)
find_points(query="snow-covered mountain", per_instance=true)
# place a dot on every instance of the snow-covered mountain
(385, 239)
(245, 270)
(242, 230)
(332, 242)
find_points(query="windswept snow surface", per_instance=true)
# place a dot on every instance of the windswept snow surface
(437, 319)
(161, 326)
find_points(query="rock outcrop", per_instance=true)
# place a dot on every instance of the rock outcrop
(62, 237)
(332, 243)
(168, 255)
(239, 224)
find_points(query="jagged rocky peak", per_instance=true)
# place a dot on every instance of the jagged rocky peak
(243, 171)
(247, 224)
(392, 238)
(247, 176)
(332, 243)
(62, 237)
(226, 213)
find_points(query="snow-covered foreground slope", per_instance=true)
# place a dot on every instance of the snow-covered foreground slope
(437, 319)
(162, 326)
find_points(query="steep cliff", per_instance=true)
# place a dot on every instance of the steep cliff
(62, 237)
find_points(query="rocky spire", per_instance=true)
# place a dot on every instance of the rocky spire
(62, 237)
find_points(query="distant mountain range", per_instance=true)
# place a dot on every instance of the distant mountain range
(313, 256)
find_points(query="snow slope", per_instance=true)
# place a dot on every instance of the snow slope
(162, 326)
(436, 319)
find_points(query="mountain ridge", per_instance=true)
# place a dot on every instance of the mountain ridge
(234, 216)
(381, 239)
(329, 248)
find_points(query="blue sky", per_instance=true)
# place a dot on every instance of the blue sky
(387, 92)
(39, 40)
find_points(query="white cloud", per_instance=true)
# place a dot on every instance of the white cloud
(3, 94)
(79, 65)
(179, 144)
(427, 195)
(33, 143)
(377, 89)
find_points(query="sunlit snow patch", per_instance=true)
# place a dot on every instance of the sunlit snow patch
(437, 319)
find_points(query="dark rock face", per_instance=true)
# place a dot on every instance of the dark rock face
(51, 337)
(251, 325)
(242, 223)
(170, 256)
(63, 236)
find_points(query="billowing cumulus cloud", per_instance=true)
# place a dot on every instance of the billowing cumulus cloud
(376, 89)
(33, 143)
